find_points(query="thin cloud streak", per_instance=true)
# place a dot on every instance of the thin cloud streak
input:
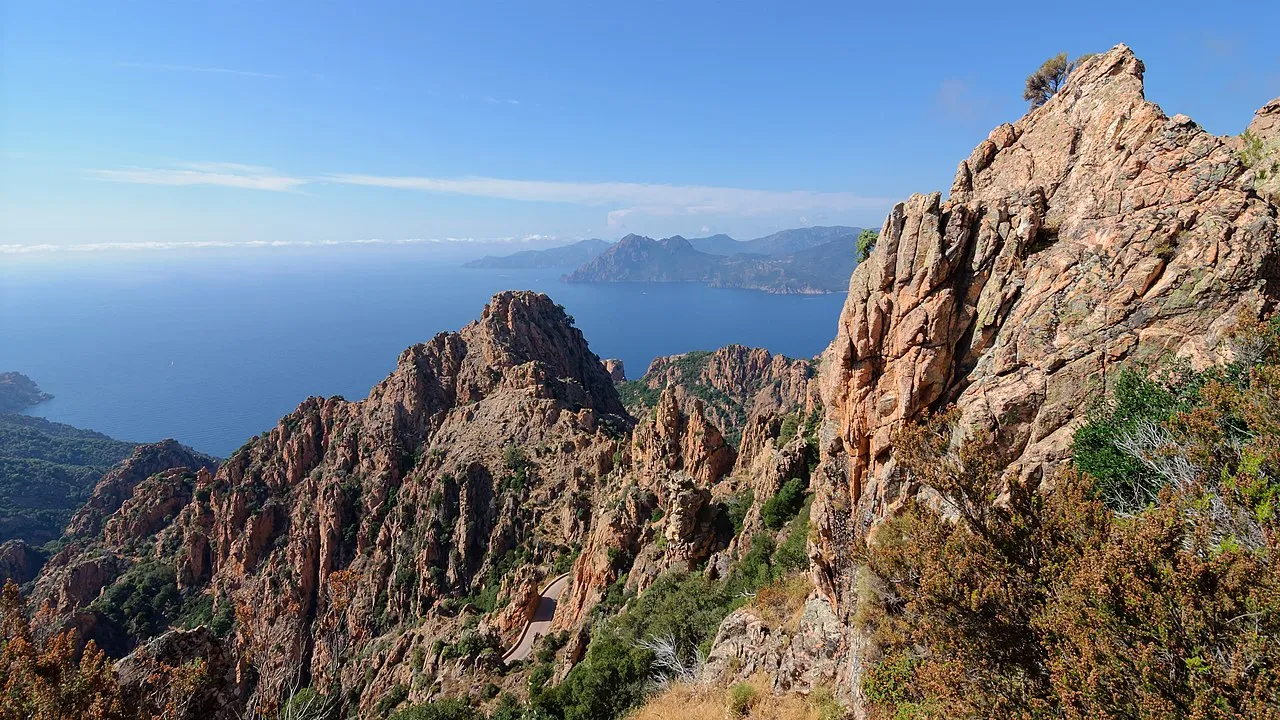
(235, 175)
(199, 69)
(635, 198)
(623, 199)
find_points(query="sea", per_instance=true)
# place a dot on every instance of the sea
(213, 348)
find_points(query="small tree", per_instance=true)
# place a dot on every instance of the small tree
(866, 241)
(1049, 79)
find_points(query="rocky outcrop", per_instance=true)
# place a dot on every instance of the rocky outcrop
(733, 383)
(1260, 151)
(675, 460)
(675, 441)
(1093, 233)
(802, 658)
(616, 370)
(19, 561)
(164, 673)
(118, 485)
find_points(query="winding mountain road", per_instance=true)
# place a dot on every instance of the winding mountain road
(541, 622)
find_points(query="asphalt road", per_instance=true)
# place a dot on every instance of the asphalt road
(541, 620)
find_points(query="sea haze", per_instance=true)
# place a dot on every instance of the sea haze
(212, 350)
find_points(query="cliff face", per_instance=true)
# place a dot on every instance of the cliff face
(734, 383)
(118, 484)
(1094, 232)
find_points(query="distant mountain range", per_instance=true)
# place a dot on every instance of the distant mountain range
(565, 256)
(815, 269)
(783, 242)
(809, 260)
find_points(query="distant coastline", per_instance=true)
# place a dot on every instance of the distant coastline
(19, 392)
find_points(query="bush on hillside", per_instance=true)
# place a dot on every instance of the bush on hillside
(783, 506)
(1052, 604)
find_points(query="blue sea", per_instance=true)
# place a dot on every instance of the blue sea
(214, 348)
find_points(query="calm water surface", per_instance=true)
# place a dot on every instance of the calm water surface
(213, 351)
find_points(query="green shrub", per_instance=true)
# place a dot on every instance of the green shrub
(741, 697)
(307, 704)
(451, 709)
(889, 683)
(866, 243)
(197, 610)
(793, 553)
(738, 507)
(224, 621)
(144, 601)
(780, 508)
(398, 694)
(787, 431)
(1122, 480)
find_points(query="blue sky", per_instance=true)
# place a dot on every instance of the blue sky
(306, 122)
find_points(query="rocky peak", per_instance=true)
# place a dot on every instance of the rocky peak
(118, 484)
(519, 327)
(734, 383)
(1266, 122)
(617, 371)
(1092, 233)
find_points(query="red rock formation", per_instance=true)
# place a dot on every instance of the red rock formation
(1094, 232)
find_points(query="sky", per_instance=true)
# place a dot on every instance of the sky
(146, 125)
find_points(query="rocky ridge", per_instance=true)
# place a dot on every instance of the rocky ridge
(1093, 233)
(734, 383)
(417, 522)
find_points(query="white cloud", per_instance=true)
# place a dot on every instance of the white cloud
(235, 175)
(198, 69)
(622, 199)
(634, 198)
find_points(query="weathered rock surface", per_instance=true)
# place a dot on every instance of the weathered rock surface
(1095, 232)
(118, 485)
(19, 561)
(1264, 158)
(734, 383)
(799, 659)
(617, 372)
(148, 674)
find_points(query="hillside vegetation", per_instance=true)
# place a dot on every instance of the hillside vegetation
(46, 471)
(1145, 583)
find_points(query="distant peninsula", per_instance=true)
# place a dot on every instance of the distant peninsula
(809, 260)
(816, 269)
(19, 392)
(565, 256)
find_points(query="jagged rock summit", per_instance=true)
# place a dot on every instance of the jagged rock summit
(361, 522)
(1094, 232)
